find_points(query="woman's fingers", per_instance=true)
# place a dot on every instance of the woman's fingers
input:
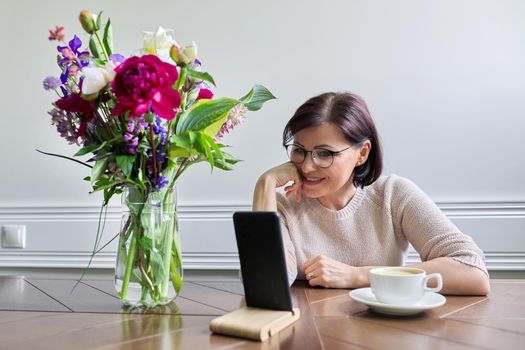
(295, 187)
(310, 266)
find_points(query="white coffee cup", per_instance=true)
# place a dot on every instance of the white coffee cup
(399, 285)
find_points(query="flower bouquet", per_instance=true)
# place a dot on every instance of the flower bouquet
(143, 120)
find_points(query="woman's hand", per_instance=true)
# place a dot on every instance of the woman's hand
(283, 174)
(264, 193)
(329, 273)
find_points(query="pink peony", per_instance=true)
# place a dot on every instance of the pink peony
(144, 84)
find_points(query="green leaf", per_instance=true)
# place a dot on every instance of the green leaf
(108, 193)
(183, 140)
(105, 183)
(146, 242)
(255, 99)
(99, 20)
(180, 145)
(98, 169)
(90, 149)
(144, 145)
(156, 262)
(61, 156)
(226, 162)
(108, 37)
(201, 76)
(99, 62)
(204, 113)
(93, 47)
(125, 162)
(203, 147)
(140, 179)
(177, 152)
(214, 128)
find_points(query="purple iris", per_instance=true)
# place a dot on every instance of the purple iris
(117, 58)
(71, 56)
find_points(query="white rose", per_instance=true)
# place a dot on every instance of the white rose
(96, 77)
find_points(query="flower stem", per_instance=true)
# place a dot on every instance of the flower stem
(153, 150)
(182, 78)
(102, 45)
(145, 276)
(179, 171)
(129, 265)
(174, 180)
(176, 279)
(167, 229)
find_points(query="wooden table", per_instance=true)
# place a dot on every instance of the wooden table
(43, 314)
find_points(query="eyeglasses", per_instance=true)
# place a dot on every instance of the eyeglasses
(321, 157)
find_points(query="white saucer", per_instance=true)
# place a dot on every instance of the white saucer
(430, 300)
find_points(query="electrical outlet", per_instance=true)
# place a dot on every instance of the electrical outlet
(14, 236)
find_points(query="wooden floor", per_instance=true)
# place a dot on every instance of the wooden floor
(44, 314)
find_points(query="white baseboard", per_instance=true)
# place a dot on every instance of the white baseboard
(63, 236)
(192, 261)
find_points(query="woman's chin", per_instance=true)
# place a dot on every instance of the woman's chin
(311, 193)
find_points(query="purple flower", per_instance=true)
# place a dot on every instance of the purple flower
(159, 128)
(141, 124)
(131, 126)
(117, 58)
(66, 124)
(132, 145)
(72, 59)
(51, 83)
(159, 182)
(236, 117)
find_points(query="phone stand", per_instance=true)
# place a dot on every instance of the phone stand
(254, 323)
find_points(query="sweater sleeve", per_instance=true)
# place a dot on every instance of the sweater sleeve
(289, 249)
(428, 229)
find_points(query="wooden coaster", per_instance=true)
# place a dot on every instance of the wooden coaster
(254, 323)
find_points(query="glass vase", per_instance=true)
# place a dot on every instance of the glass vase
(148, 270)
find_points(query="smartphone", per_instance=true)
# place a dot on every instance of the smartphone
(263, 264)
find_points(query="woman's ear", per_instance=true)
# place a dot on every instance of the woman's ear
(364, 151)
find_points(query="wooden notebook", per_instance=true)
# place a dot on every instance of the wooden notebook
(254, 323)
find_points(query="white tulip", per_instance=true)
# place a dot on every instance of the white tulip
(184, 56)
(190, 52)
(158, 41)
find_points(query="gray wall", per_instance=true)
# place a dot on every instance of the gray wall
(444, 81)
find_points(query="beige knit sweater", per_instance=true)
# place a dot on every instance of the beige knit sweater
(374, 229)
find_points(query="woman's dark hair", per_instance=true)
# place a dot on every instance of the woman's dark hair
(349, 113)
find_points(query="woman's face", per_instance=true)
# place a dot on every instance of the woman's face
(333, 185)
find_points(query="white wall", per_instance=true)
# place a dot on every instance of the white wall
(444, 80)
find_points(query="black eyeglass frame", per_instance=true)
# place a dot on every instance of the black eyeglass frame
(332, 153)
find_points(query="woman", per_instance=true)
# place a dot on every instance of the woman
(340, 218)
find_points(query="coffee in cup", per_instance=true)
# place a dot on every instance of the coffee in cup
(399, 285)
